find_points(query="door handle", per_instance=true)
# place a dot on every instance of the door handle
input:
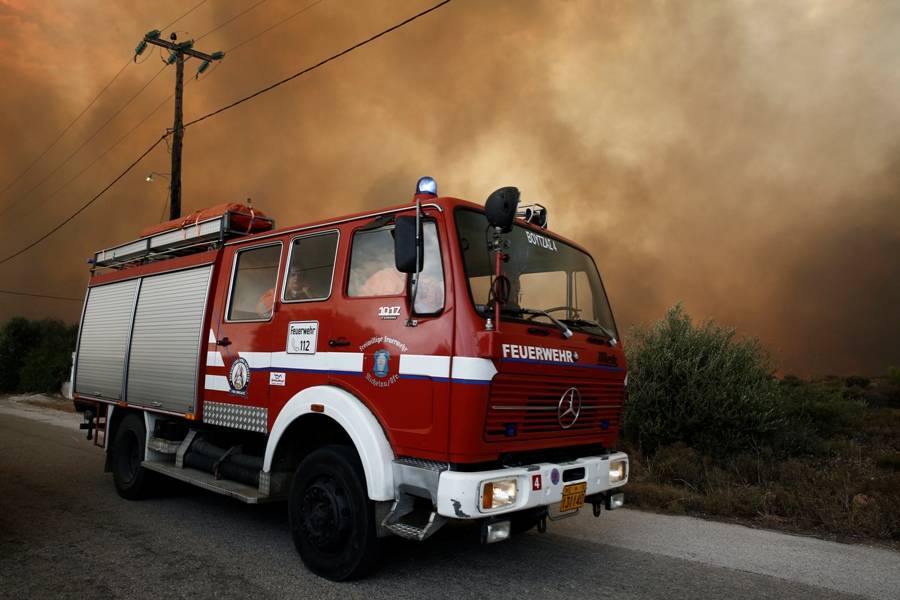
(224, 341)
(338, 342)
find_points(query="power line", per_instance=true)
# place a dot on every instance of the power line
(85, 205)
(223, 109)
(30, 295)
(96, 132)
(195, 7)
(127, 134)
(64, 132)
(83, 144)
(234, 18)
(82, 113)
(270, 28)
(318, 64)
(119, 111)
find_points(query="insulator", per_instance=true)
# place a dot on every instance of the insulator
(202, 69)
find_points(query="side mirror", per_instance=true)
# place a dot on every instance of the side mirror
(500, 208)
(405, 245)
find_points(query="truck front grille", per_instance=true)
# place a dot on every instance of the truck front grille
(526, 407)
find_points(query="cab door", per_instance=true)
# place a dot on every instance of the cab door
(405, 358)
(244, 338)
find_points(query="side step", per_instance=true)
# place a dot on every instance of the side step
(410, 529)
(207, 481)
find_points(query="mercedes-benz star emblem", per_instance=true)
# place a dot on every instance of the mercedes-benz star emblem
(569, 408)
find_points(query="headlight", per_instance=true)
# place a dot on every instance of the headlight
(497, 494)
(618, 471)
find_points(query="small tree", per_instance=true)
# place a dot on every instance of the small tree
(35, 356)
(699, 385)
(17, 337)
(47, 363)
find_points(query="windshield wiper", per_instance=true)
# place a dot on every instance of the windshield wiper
(567, 333)
(609, 334)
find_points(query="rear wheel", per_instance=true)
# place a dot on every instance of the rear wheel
(131, 479)
(331, 517)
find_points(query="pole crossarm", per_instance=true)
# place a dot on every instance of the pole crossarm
(184, 48)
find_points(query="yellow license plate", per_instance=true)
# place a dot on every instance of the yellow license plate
(573, 496)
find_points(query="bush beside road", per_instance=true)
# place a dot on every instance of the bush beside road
(711, 432)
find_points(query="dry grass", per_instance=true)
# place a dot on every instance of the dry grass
(850, 491)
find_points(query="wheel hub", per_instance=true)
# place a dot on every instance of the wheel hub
(325, 514)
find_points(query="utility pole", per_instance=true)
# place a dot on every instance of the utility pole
(178, 53)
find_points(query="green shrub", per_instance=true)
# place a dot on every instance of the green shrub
(889, 462)
(857, 381)
(36, 355)
(47, 364)
(699, 385)
(814, 413)
(17, 337)
(893, 374)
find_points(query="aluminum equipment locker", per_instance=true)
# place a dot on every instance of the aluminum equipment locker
(166, 340)
(103, 340)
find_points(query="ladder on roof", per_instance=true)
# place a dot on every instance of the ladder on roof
(191, 238)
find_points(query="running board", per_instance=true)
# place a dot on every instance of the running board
(207, 481)
(403, 507)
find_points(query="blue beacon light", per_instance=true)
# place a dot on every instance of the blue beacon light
(426, 186)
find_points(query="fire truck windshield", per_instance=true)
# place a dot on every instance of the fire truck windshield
(545, 274)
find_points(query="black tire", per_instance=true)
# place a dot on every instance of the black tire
(127, 450)
(331, 517)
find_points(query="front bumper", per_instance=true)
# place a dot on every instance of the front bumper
(459, 492)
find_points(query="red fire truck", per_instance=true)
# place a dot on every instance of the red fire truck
(385, 373)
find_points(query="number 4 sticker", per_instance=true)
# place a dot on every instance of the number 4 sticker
(302, 336)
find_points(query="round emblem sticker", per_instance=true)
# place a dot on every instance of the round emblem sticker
(239, 376)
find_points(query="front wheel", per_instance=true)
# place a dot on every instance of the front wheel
(331, 517)
(131, 479)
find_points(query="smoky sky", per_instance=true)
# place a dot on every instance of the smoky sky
(742, 158)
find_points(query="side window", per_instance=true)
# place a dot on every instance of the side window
(373, 272)
(312, 265)
(253, 287)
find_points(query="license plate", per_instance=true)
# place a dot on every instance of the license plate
(573, 496)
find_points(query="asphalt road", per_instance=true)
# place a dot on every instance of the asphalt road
(64, 533)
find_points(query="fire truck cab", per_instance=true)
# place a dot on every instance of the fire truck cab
(385, 373)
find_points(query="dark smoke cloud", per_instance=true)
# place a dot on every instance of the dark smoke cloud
(739, 157)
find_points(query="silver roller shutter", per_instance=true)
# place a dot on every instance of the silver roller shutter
(103, 340)
(165, 345)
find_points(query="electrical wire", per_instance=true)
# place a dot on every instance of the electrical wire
(195, 7)
(83, 144)
(234, 18)
(214, 113)
(273, 26)
(30, 295)
(37, 205)
(85, 205)
(72, 155)
(81, 114)
(318, 64)
(64, 131)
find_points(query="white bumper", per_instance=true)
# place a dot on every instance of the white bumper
(459, 492)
